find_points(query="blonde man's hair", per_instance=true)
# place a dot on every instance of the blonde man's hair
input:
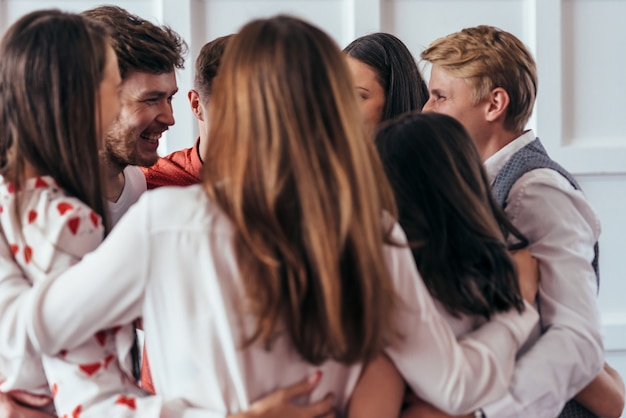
(487, 58)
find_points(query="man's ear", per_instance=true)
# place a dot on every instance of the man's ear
(498, 104)
(194, 102)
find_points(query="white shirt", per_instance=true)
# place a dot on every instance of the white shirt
(51, 232)
(134, 186)
(562, 229)
(170, 260)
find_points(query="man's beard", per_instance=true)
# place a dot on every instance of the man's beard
(121, 148)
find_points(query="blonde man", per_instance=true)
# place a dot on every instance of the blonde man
(487, 79)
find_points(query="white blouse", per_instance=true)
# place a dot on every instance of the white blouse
(49, 233)
(171, 261)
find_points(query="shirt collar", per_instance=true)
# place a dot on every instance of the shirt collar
(494, 164)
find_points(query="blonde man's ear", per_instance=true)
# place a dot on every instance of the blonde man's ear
(498, 103)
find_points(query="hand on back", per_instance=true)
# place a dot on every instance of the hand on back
(279, 403)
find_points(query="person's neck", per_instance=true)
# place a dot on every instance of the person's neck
(30, 171)
(495, 142)
(202, 146)
(114, 180)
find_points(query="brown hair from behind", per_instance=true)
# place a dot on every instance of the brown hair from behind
(50, 73)
(488, 57)
(139, 44)
(207, 66)
(293, 169)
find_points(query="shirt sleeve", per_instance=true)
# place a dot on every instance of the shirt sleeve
(103, 290)
(17, 357)
(456, 377)
(61, 234)
(562, 230)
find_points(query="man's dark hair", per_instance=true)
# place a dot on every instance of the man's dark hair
(139, 44)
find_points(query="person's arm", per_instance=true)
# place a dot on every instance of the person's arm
(456, 377)
(528, 277)
(562, 230)
(104, 303)
(111, 281)
(604, 396)
(379, 391)
(18, 361)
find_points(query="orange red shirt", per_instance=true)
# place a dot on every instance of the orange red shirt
(180, 168)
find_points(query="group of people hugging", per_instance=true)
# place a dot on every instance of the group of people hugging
(341, 240)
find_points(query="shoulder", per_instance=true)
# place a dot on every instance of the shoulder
(181, 208)
(65, 222)
(544, 178)
(544, 198)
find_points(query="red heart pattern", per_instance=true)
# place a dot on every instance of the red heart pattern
(76, 412)
(28, 254)
(41, 183)
(73, 225)
(14, 249)
(95, 219)
(32, 215)
(90, 369)
(108, 360)
(64, 207)
(101, 336)
(129, 402)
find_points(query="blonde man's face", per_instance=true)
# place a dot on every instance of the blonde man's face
(452, 96)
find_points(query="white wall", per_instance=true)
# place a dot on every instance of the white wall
(581, 107)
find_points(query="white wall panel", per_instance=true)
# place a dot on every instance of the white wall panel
(418, 22)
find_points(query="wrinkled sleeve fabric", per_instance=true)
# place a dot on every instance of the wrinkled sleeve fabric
(17, 357)
(456, 377)
(104, 290)
(562, 229)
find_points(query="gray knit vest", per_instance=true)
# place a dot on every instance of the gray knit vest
(528, 158)
(531, 157)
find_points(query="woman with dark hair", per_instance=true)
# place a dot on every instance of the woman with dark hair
(459, 236)
(456, 230)
(387, 79)
(59, 93)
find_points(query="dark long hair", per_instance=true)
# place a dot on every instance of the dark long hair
(50, 73)
(396, 70)
(456, 229)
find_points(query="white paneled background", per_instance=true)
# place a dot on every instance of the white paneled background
(580, 113)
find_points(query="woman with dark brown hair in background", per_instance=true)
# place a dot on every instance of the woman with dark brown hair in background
(387, 79)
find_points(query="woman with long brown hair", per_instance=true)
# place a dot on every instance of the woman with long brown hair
(59, 92)
(283, 261)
